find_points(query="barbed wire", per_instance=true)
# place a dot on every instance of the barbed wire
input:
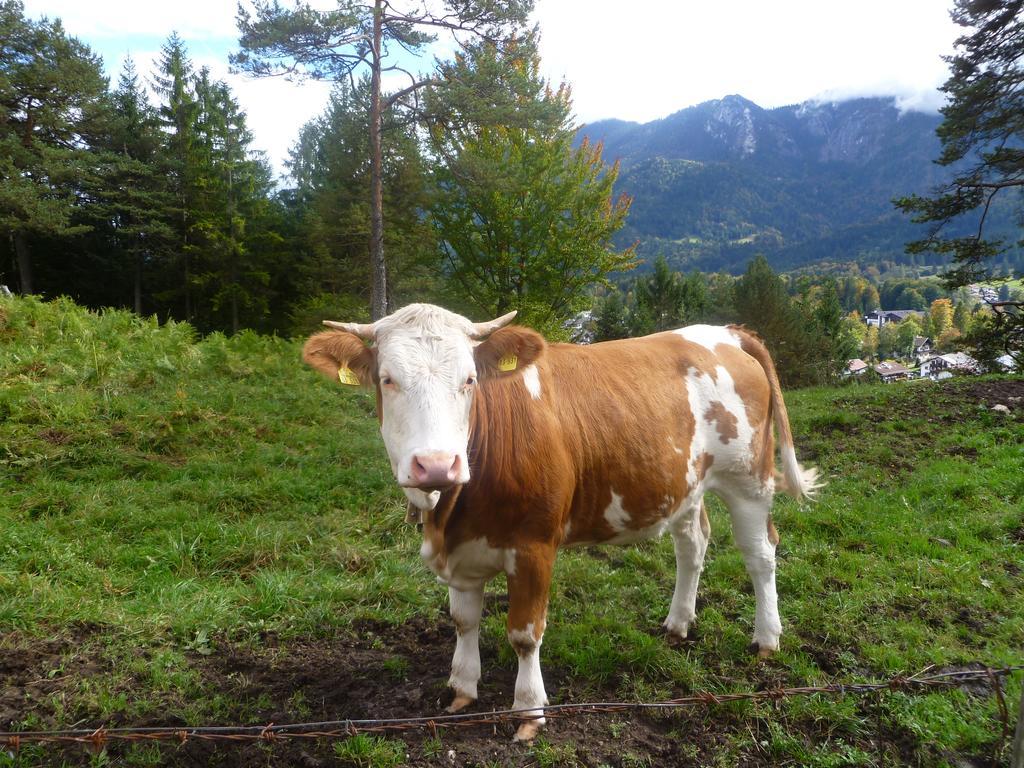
(98, 738)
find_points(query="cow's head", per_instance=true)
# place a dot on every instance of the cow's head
(426, 364)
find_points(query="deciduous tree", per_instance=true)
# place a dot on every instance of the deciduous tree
(940, 317)
(524, 219)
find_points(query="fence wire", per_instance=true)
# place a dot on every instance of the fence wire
(99, 738)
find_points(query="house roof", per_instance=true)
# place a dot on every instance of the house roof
(855, 365)
(960, 360)
(903, 314)
(890, 367)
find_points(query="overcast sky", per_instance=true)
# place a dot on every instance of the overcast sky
(635, 60)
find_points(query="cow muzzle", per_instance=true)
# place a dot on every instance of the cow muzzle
(434, 471)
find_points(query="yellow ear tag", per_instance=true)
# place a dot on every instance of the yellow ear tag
(347, 376)
(508, 363)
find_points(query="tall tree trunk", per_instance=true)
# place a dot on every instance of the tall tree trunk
(379, 293)
(24, 256)
(234, 294)
(138, 283)
(188, 283)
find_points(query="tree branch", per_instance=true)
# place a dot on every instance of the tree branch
(398, 95)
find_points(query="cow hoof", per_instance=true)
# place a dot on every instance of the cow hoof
(528, 731)
(762, 651)
(677, 630)
(459, 703)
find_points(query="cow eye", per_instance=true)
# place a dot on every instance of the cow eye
(386, 381)
(471, 381)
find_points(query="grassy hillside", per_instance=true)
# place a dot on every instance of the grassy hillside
(202, 531)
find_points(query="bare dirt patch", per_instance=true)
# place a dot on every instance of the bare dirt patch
(1008, 392)
(380, 671)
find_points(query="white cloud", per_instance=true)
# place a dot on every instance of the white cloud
(650, 58)
(193, 19)
(636, 61)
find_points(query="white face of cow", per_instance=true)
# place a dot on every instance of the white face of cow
(427, 381)
(424, 365)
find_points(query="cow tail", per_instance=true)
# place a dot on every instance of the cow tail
(798, 482)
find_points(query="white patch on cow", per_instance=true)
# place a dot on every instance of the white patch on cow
(616, 514)
(529, 682)
(626, 535)
(732, 458)
(427, 354)
(749, 513)
(709, 336)
(426, 551)
(531, 378)
(470, 563)
(632, 536)
(691, 544)
(466, 606)
(422, 499)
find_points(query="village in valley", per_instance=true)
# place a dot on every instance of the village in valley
(918, 344)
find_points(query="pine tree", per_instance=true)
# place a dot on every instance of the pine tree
(178, 114)
(659, 299)
(832, 327)
(232, 197)
(51, 98)
(982, 137)
(357, 37)
(132, 208)
(611, 319)
(764, 305)
(328, 164)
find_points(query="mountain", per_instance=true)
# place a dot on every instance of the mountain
(809, 184)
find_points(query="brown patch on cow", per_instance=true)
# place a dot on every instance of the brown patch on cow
(762, 448)
(773, 535)
(329, 351)
(528, 590)
(703, 464)
(521, 646)
(524, 344)
(724, 420)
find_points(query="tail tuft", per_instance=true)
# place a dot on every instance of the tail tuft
(798, 482)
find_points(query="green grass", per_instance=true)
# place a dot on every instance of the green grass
(165, 497)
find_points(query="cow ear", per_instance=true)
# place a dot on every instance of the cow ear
(342, 356)
(508, 350)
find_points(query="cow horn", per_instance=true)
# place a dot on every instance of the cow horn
(483, 330)
(362, 330)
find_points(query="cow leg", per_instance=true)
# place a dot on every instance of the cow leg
(751, 516)
(466, 606)
(690, 533)
(527, 614)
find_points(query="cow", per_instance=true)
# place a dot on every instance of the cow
(508, 447)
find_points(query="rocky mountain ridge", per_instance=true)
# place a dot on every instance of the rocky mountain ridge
(807, 184)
